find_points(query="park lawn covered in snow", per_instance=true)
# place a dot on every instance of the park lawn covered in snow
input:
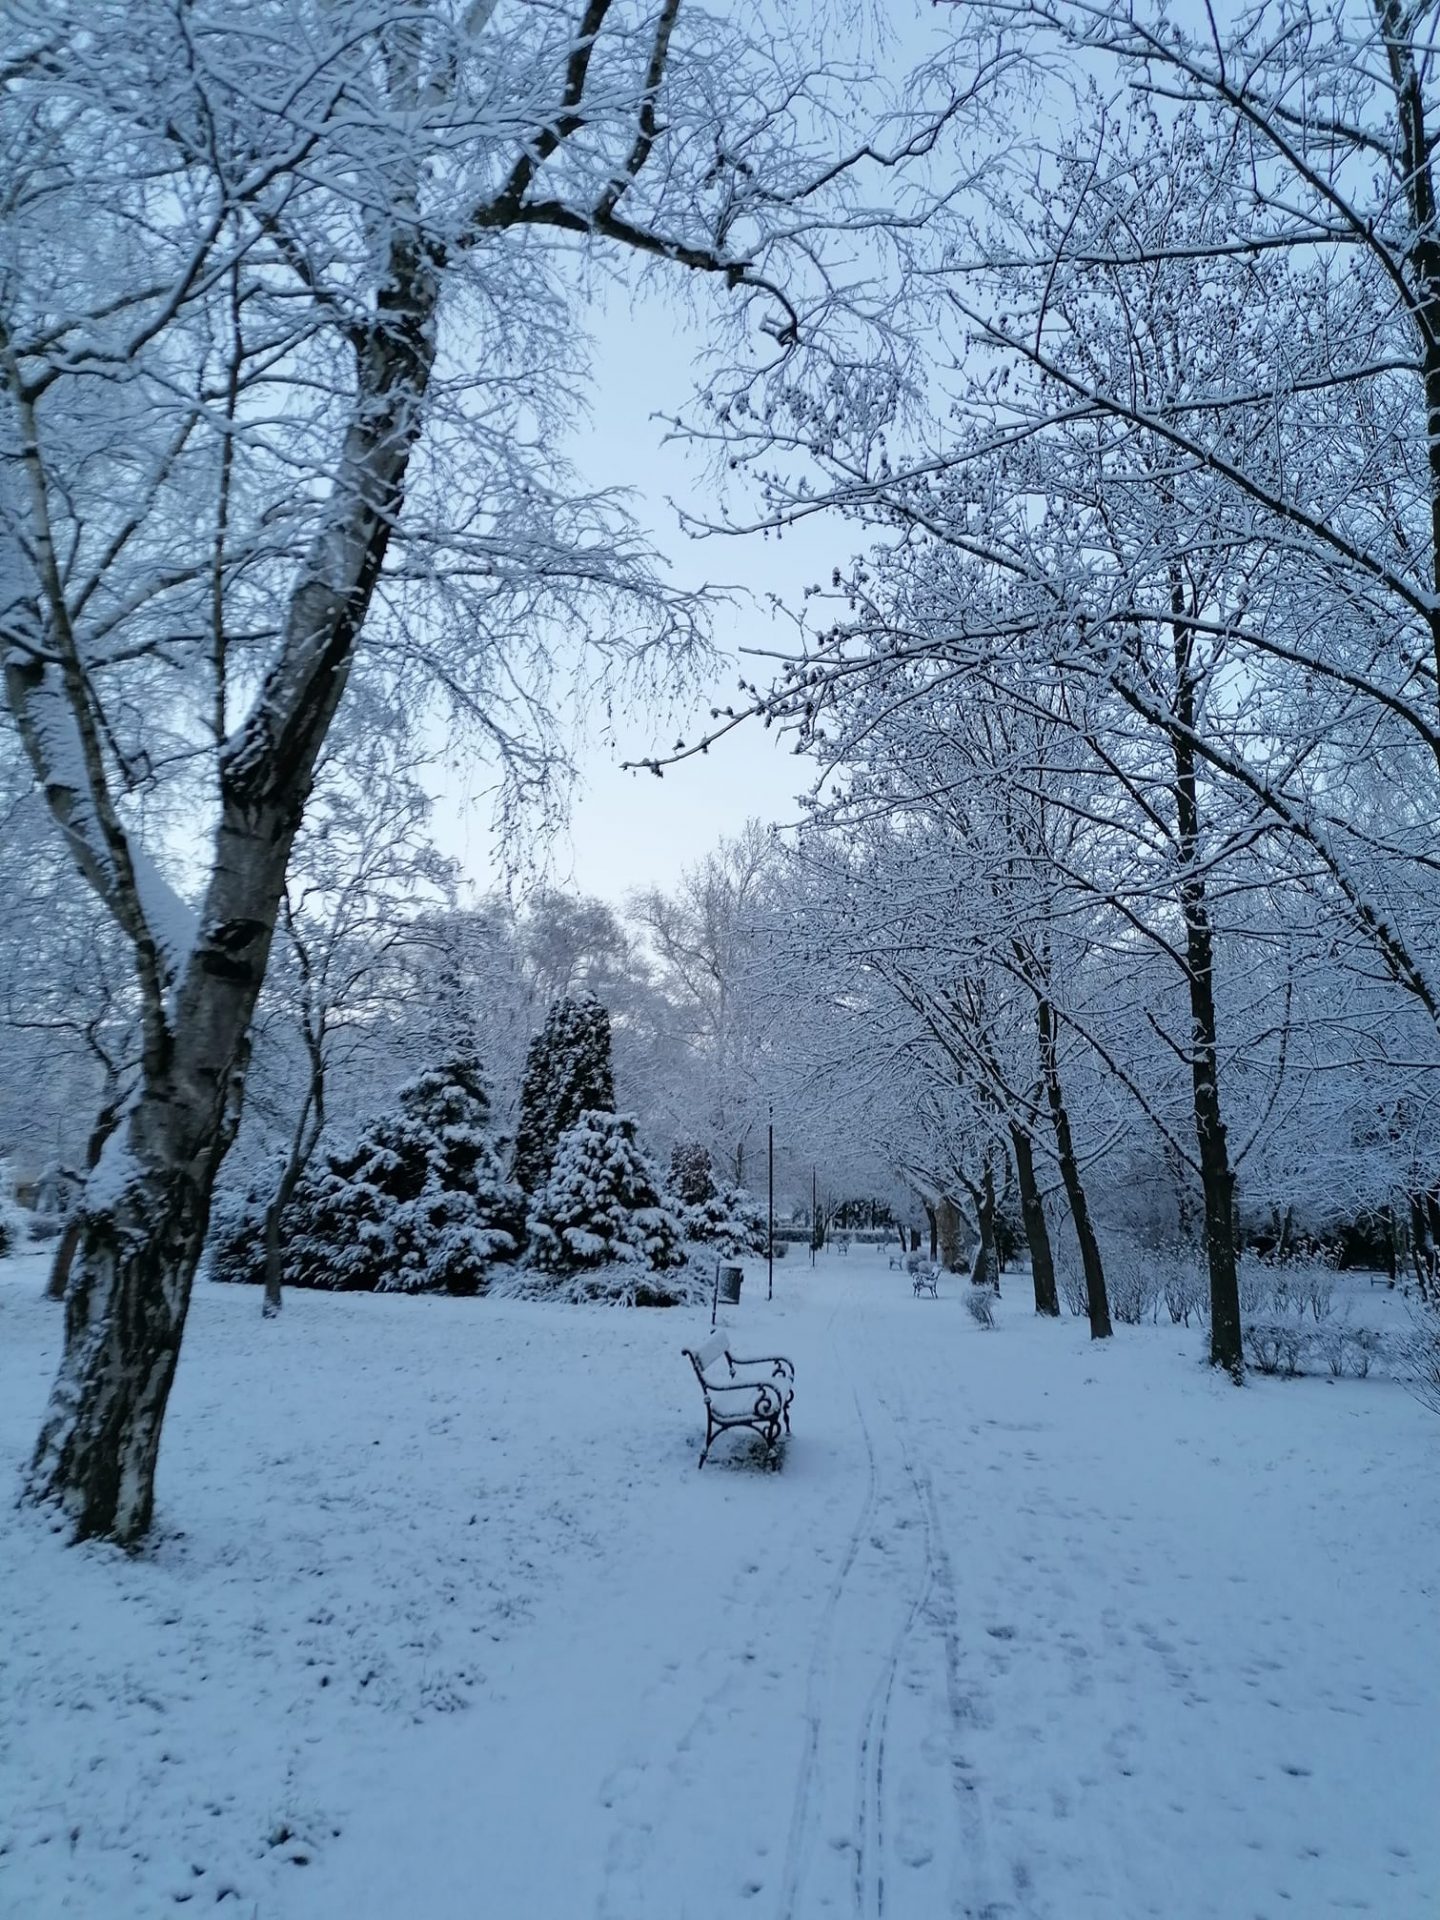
(440, 1620)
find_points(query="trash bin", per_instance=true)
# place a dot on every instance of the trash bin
(730, 1278)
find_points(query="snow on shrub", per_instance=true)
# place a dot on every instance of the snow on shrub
(235, 1243)
(724, 1219)
(1419, 1356)
(1133, 1279)
(1185, 1287)
(731, 1222)
(981, 1302)
(600, 1209)
(1290, 1324)
(13, 1226)
(1070, 1279)
(419, 1203)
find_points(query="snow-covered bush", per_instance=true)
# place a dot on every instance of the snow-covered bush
(1286, 1310)
(567, 1074)
(1185, 1287)
(1070, 1283)
(418, 1204)
(1347, 1349)
(1291, 1323)
(1419, 1356)
(600, 1208)
(732, 1221)
(1289, 1290)
(981, 1302)
(1274, 1346)
(1133, 1279)
(13, 1227)
(726, 1220)
(235, 1243)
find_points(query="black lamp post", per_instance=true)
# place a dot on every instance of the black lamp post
(770, 1168)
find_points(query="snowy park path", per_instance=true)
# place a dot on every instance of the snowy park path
(1024, 1628)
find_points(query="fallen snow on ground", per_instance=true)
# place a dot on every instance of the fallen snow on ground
(441, 1621)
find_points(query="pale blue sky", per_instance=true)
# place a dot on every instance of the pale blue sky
(630, 830)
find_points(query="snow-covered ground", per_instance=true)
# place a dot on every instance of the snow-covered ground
(442, 1622)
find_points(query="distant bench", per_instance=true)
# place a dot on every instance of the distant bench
(737, 1395)
(924, 1274)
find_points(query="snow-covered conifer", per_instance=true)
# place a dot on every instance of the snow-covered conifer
(602, 1207)
(567, 1073)
(731, 1221)
(692, 1179)
(420, 1203)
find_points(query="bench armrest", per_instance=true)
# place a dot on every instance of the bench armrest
(763, 1397)
(783, 1369)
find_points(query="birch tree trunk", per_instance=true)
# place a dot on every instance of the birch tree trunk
(146, 1209)
(106, 1121)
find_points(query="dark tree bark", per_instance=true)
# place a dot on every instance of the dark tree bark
(1037, 1233)
(1097, 1299)
(947, 1227)
(984, 1268)
(1217, 1178)
(990, 1208)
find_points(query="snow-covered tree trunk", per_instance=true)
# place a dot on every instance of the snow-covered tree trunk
(106, 1121)
(1096, 1298)
(146, 1209)
(1217, 1179)
(1032, 1212)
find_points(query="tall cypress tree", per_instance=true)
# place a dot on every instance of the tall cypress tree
(567, 1073)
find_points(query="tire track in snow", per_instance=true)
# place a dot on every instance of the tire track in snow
(805, 1808)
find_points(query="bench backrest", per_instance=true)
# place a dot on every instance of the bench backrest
(713, 1349)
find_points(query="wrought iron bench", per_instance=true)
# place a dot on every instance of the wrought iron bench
(738, 1396)
(924, 1276)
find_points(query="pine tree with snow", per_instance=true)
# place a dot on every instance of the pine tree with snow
(567, 1073)
(692, 1177)
(602, 1207)
(235, 1242)
(730, 1220)
(420, 1203)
